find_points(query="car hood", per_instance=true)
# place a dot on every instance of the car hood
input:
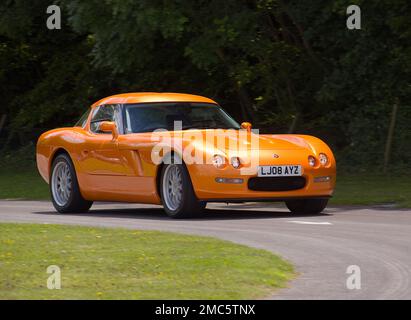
(233, 141)
(270, 142)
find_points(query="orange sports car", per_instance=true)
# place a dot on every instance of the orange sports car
(181, 151)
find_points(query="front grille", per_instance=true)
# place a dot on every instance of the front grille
(276, 183)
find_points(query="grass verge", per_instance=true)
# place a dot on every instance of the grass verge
(365, 189)
(24, 184)
(98, 263)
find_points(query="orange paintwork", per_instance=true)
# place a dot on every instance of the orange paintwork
(121, 168)
(145, 97)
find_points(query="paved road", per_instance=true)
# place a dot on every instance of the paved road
(376, 239)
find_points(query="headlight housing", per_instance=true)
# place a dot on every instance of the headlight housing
(235, 162)
(219, 161)
(323, 159)
(311, 161)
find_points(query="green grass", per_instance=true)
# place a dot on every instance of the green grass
(365, 189)
(19, 177)
(99, 263)
(352, 189)
(24, 184)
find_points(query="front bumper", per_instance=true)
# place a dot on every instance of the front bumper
(208, 189)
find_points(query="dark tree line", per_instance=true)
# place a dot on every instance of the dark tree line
(287, 66)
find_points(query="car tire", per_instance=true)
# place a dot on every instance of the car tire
(64, 189)
(307, 206)
(177, 193)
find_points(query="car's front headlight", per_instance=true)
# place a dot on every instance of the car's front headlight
(235, 162)
(311, 161)
(323, 159)
(219, 161)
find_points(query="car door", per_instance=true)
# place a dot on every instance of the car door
(101, 159)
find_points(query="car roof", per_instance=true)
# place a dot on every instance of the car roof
(147, 97)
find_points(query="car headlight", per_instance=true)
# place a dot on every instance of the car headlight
(311, 161)
(235, 162)
(218, 161)
(323, 159)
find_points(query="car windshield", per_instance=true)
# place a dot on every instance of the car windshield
(150, 117)
(83, 120)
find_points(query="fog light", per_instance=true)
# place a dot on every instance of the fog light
(235, 162)
(229, 180)
(311, 161)
(218, 161)
(322, 179)
(323, 159)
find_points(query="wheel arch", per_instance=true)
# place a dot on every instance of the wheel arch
(56, 153)
(160, 168)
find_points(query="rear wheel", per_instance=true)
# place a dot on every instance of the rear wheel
(307, 206)
(64, 189)
(177, 193)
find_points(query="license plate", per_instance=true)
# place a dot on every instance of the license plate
(280, 171)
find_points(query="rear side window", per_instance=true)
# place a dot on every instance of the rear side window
(104, 113)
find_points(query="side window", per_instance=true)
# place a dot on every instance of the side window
(103, 113)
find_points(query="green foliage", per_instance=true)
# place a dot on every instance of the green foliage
(288, 66)
(44, 74)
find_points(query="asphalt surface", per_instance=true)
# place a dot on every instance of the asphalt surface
(322, 247)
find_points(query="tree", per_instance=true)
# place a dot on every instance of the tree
(289, 66)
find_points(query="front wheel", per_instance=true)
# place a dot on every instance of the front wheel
(64, 189)
(307, 206)
(177, 192)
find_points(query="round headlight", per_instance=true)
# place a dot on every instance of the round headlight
(311, 161)
(235, 162)
(323, 159)
(218, 161)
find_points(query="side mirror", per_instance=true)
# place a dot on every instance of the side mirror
(109, 127)
(247, 126)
